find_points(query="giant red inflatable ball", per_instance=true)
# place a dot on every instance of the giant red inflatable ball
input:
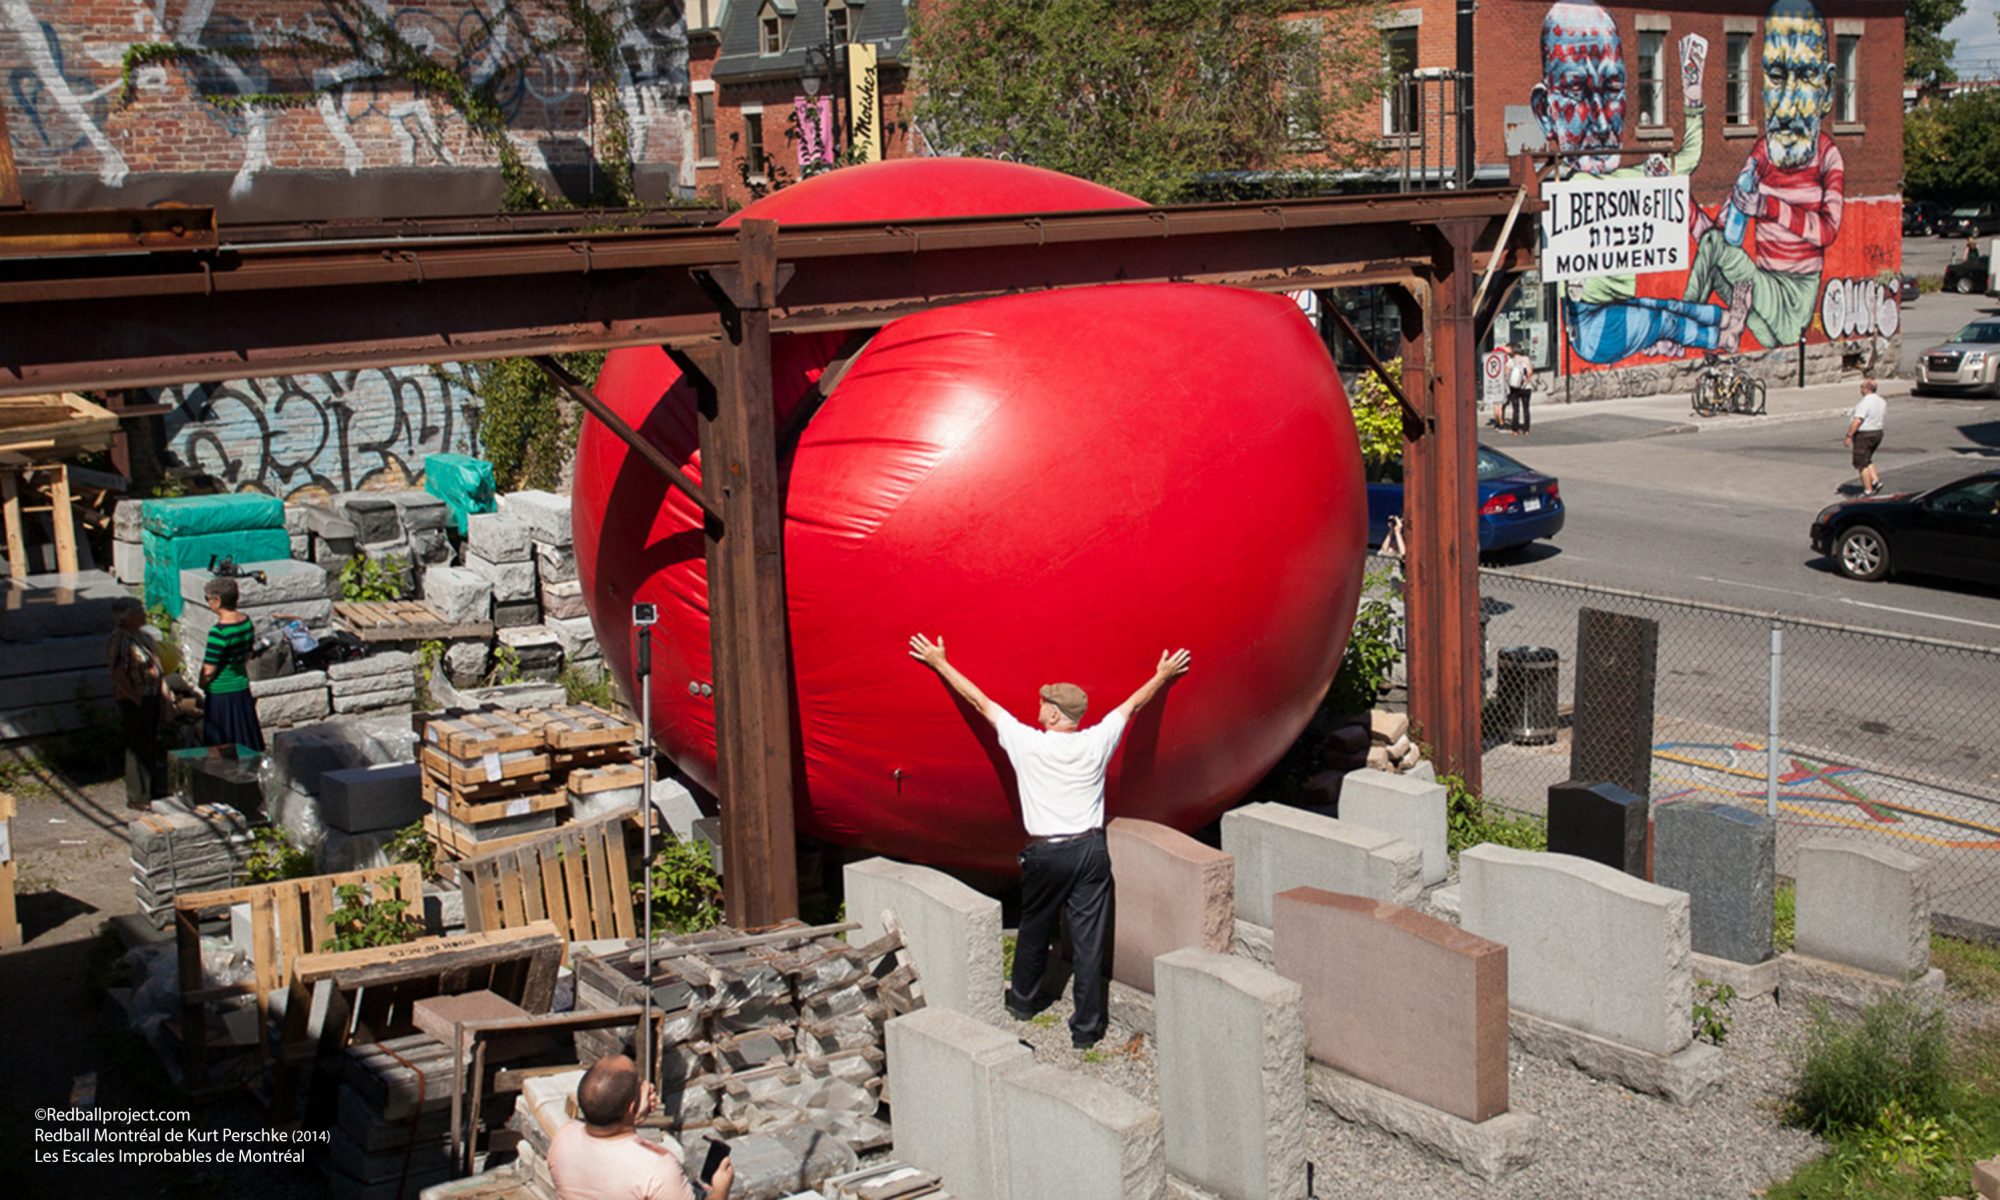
(1060, 484)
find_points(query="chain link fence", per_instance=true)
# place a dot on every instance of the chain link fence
(1880, 736)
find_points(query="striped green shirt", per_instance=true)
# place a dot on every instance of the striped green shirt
(229, 650)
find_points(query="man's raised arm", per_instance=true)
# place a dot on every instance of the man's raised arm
(931, 654)
(1173, 664)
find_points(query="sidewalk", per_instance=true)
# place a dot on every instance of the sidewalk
(1559, 424)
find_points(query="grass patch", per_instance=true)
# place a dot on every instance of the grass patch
(1008, 944)
(1470, 821)
(1969, 967)
(1784, 918)
(1093, 1056)
(1043, 1020)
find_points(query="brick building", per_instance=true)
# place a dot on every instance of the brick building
(1519, 75)
(778, 89)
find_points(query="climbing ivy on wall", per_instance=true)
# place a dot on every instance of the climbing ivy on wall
(526, 429)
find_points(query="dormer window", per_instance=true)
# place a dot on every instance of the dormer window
(839, 26)
(774, 28)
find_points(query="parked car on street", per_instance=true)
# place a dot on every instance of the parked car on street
(1970, 220)
(1920, 218)
(1967, 275)
(1908, 289)
(1517, 504)
(1969, 362)
(1952, 531)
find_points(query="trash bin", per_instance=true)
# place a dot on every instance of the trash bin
(1526, 691)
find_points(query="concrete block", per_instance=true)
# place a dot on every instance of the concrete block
(676, 805)
(1846, 991)
(128, 521)
(511, 582)
(563, 601)
(1864, 905)
(296, 521)
(52, 606)
(516, 613)
(1278, 848)
(293, 708)
(944, 1067)
(1229, 1049)
(81, 652)
(320, 521)
(497, 537)
(1064, 1134)
(1725, 858)
(544, 513)
(1588, 946)
(1490, 1149)
(1680, 1077)
(419, 510)
(374, 516)
(555, 563)
(430, 547)
(365, 799)
(302, 547)
(1405, 807)
(381, 663)
(1173, 892)
(462, 595)
(952, 931)
(465, 662)
(1399, 999)
(577, 637)
(1986, 1179)
(128, 562)
(285, 583)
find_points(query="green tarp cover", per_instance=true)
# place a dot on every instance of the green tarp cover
(167, 557)
(464, 484)
(189, 515)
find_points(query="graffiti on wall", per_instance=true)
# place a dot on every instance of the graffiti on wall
(265, 106)
(331, 432)
(1760, 252)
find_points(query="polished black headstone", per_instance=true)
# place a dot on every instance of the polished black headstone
(1611, 730)
(1601, 822)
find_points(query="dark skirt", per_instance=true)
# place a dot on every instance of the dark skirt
(230, 719)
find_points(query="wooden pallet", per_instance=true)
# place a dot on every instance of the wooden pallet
(478, 813)
(288, 921)
(579, 877)
(580, 726)
(402, 621)
(588, 781)
(472, 732)
(489, 774)
(461, 846)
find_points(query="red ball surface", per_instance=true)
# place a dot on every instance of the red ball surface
(1061, 485)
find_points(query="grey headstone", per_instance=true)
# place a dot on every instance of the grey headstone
(1725, 858)
(1612, 731)
(1601, 822)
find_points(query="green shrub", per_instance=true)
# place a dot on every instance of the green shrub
(686, 892)
(364, 578)
(1371, 651)
(1469, 822)
(412, 845)
(1784, 918)
(582, 686)
(362, 922)
(506, 665)
(1710, 1015)
(274, 857)
(1897, 1054)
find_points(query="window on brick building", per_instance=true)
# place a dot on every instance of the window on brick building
(838, 24)
(703, 14)
(1302, 91)
(1652, 77)
(753, 141)
(704, 126)
(1399, 63)
(1736, 80)
(1847, 78)
(776, 31)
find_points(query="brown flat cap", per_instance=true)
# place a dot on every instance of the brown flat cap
(1068, 699)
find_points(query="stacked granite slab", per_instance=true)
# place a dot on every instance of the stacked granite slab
(288, 589)
(287, 700)
(177, 850)
(329, 537)
(385, 681)
(558, 591)
(52, 646)
(192, 531)
(409, 524)
(499, 548)
(395, 1110)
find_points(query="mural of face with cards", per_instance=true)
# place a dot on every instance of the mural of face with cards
(1581, 98)
(1798, 81)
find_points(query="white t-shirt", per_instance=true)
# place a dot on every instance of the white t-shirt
(1870, 410)
(1061, 774)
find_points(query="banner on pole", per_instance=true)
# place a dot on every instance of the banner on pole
(864, 101)
(1594, 227)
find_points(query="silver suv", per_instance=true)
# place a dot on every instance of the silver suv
(1969, 362)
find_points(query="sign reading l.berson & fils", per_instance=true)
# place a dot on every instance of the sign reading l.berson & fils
(864, 101)
(1599, 227)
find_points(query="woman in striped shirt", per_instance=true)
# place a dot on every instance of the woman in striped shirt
(230, 716)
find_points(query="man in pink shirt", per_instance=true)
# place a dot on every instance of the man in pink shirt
(602, 1158)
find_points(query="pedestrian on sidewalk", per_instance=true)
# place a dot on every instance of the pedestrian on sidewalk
(1520, 386)
(138, 686)
(1066, 867)
(1864, 435)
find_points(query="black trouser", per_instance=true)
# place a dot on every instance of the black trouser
(1517, 408)
(1071, 877)
(142, 748)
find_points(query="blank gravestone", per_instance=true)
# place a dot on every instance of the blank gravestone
(1601, 822)
(1611, 734)
(1725, 859)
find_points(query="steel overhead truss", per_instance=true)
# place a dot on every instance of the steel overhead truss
(280, 301)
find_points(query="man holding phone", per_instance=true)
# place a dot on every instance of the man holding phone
(602, 1157)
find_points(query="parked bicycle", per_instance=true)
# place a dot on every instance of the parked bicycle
(1725, 387)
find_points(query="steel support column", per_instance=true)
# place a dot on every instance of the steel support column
(746, 588)
(1440, 485)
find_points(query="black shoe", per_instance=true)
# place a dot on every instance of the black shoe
(1020, 1012)
(1080, 1042)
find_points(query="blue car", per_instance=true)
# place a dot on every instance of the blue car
(1516, 505)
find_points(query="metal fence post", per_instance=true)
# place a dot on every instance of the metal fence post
(1771, 739)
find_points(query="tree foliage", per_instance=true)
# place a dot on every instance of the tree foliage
(1145, 95)
(1926, 51)
(1951, 148)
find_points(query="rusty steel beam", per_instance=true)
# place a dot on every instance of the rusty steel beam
(28, 232)
(421, 228)
(580, 392)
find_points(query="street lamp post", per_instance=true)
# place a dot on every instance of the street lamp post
(823, 64)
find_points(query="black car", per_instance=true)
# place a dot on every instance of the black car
(1967, 275)
(1952, 531)
(1971, 220)
(1920, 218)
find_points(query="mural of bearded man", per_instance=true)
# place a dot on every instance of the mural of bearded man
(1580, 103)
(1793, 186)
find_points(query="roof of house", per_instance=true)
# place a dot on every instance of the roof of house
(882, 22)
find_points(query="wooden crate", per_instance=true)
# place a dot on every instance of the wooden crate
(477, 812)
(490, 773)
(288, 920)
(471, 732)
(403, 621)
(457, 845)
(580, 726)
(579, 877)
(588, 781)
